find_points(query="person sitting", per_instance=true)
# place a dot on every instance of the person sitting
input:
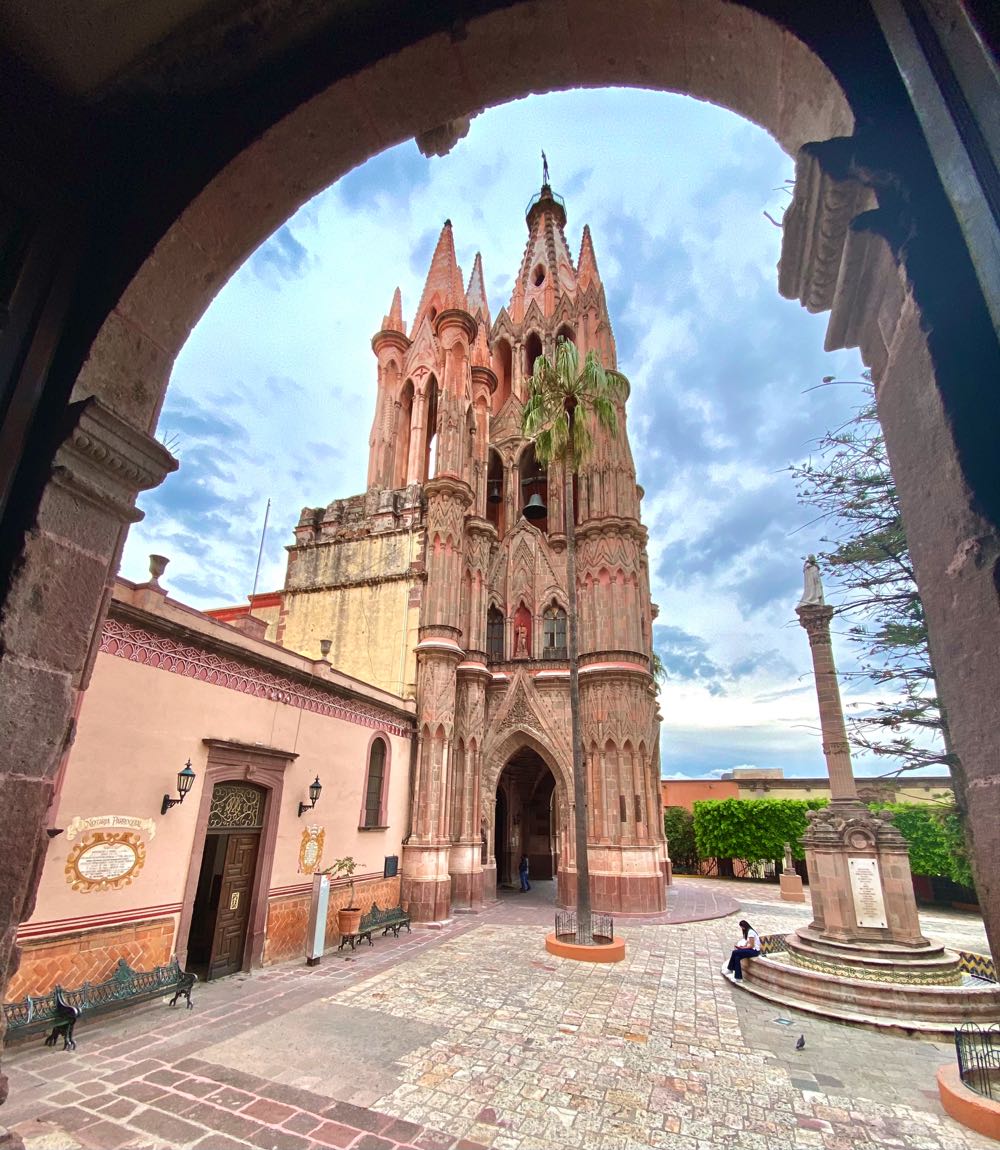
(748, 947)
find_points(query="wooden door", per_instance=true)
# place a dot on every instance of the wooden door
(228, 942)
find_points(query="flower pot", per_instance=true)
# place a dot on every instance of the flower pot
(349, 919)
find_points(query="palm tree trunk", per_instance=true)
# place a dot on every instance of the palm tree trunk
(584, 932)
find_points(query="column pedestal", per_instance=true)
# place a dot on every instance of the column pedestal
(425, 890)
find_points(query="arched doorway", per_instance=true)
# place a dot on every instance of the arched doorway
(225, 893)
(524, 819)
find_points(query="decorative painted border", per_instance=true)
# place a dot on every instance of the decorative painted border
(140, 646)
(55, 927)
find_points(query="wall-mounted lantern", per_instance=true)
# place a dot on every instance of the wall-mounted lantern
(315, 789)
(324, 647)
(185, 781)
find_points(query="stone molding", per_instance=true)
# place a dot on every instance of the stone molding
(138, 645)
(108, 462)
(814, 231)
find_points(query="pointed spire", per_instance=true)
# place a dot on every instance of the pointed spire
(394, 320)
(443, 288)
(586, 268)
(476, 292)
(547, 267)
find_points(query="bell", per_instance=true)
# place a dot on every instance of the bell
(535, 508)
(494, 491)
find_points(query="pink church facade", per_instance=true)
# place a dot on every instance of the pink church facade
(450, 476)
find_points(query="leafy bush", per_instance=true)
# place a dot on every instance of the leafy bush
(759, 828)
(935, 839)
(678, 826)
(751, 828)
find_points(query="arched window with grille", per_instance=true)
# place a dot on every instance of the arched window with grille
(494, 635)
(554, 632)
(373, 813)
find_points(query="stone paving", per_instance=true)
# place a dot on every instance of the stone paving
(475, 1036)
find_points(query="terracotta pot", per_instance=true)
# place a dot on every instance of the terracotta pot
(349, 920)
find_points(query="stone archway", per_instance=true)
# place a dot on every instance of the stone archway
(712, 51)
(526, 819)
(521, 774)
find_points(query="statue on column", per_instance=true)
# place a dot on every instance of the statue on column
(812, 593)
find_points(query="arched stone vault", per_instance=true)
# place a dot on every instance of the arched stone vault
(940, 437)
(711, 51)
(497, 754)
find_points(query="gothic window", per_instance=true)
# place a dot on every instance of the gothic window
(494, 491)
(503, 359)
(532, 350)
(494, 635)
(554, 633)
(373, 813)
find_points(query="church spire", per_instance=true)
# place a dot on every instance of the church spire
(476, 293)
(443, 287)
(394, 320)
(547, 267)
(586, 268)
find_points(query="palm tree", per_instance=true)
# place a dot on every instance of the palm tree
(564, 404)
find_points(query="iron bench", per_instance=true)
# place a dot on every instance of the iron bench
(62, 1008)
(391, 919)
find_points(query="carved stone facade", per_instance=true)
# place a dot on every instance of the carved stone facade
(437, 583)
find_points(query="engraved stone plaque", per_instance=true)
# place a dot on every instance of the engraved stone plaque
(866, 886)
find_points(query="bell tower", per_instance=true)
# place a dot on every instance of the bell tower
(447, 579)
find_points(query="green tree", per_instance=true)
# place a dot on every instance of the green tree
(868, 561)
(566, 403)
(751, 829)
(678, 826)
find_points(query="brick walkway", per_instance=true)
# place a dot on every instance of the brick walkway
(473, 1035)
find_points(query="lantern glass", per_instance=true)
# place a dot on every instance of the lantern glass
(185, 779)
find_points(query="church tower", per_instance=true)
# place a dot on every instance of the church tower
(460, 535)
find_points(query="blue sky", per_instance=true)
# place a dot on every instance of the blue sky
(273, 394)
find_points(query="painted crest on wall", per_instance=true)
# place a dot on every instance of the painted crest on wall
(311, 849)
(105, 860)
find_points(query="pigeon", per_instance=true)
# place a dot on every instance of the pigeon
(801, 1042)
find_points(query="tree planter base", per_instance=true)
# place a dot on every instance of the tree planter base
(613, 951)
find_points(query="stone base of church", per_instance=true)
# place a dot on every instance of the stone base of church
(467, 892)
(425, 890)
(629, 892)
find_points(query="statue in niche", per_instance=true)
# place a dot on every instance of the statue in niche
(812, 593)
(521, 642)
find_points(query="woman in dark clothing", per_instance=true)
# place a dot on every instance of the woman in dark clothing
(749, 947)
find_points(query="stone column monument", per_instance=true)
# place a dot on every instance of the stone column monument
(858, 862)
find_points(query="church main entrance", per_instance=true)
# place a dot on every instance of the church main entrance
(525, 822)
(221, 915)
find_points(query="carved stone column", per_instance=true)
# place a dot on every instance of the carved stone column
(50, 631)
(858, 862)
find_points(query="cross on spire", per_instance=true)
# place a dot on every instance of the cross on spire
(545, 170)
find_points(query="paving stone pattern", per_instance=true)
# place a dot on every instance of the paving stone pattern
(491, 1041)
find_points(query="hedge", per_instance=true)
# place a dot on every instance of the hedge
(759, 828)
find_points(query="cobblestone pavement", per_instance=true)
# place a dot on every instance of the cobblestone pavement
(475, 1036)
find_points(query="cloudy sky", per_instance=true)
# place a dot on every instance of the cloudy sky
(273, 395)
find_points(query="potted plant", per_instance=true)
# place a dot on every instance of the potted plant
(348, 917)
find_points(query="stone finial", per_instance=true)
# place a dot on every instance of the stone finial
(157, 565)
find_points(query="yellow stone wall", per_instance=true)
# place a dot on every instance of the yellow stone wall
(357, 593)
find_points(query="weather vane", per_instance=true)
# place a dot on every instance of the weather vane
(545, 169)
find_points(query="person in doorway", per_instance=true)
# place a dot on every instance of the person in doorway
(522, 870)
(748, 947)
